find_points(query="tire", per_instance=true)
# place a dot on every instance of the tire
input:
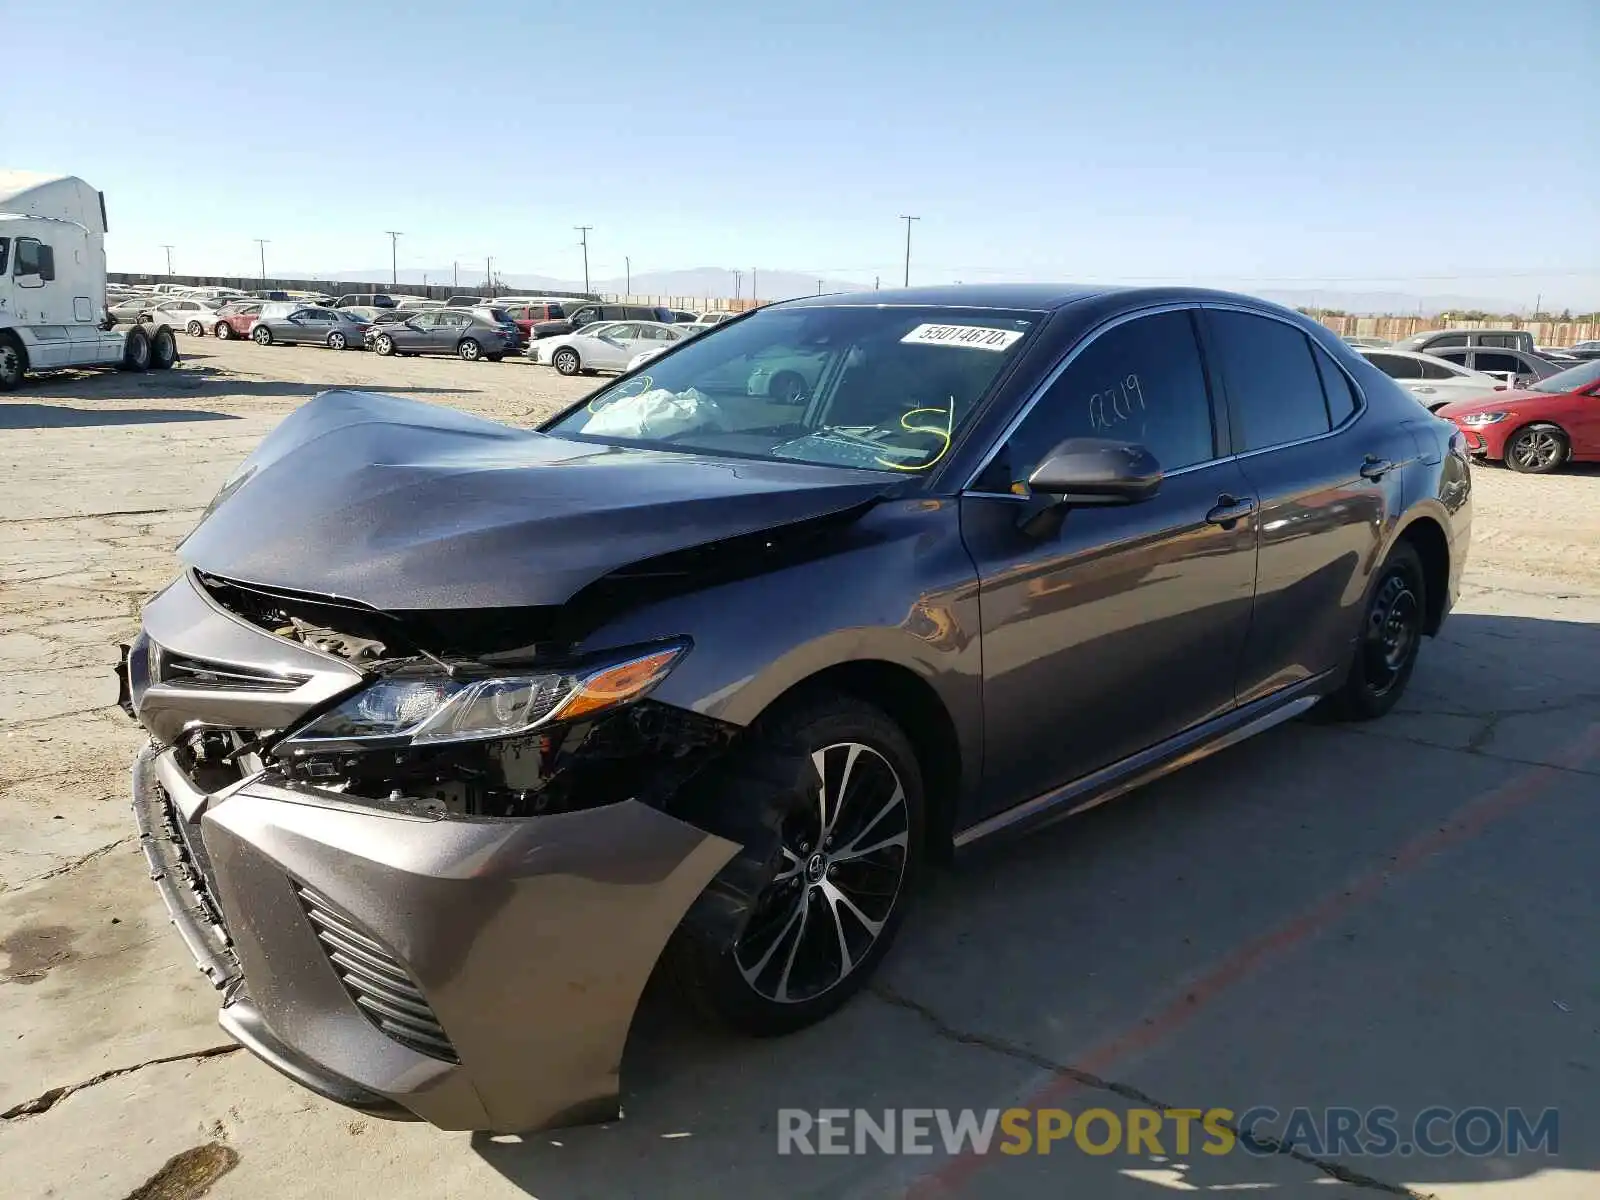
(337, 341)
(787, 387)
(470, 350)
(195, 329)
(383, 344)
(786, 969)
(494, 357)
(1537, 449)
(1391, 635)
(261, 335)
(566, 361)
(163, 349)
(223, 330)
(136, 349)
(13, 363)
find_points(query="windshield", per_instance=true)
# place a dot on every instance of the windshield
(1570, 380)
(854, 386)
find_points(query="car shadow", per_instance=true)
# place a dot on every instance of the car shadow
(60, 416)
(1325, 915)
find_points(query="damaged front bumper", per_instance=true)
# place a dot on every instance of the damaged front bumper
(477, 973)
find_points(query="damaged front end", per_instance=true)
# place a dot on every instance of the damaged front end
(428, 881)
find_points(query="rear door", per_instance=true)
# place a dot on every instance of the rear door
(1123, 625)
(1329, 480)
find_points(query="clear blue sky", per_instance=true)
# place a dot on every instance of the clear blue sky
(1434, 146)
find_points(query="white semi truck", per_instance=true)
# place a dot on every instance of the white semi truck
(53, 284)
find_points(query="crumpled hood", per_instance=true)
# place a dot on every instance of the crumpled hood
(404, 505)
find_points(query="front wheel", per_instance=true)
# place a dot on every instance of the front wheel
(566, 362)
(195, 329)
(469, 350)
(223, 330)
(383, 344)
(837, 884)
(1391, 635)
(336, 341)
(1536, 450)
(261, 335)
(11, 368)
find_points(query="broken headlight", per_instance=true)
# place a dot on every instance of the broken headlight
(423, 710)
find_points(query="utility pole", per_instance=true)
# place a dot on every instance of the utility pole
(583, 240)
(261, 245)
(168, 249)
(753, 300)
(627, 276)
(488, 275)
(738, 283)
(908, 221)
(875, 283)
(394, 255)
(819, 287)
(455, 277)
(1538, 305)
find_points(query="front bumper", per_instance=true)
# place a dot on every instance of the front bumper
(478, 973)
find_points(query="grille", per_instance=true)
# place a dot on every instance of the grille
(180, 671)
(382, 989)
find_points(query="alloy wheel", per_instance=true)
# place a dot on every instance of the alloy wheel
(469, 350)
(1394, 625)
(1536, 449)
(336, 340)
(843, 864)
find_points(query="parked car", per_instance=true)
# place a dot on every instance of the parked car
(1518, 368)
(364, 300)
(1537, 429)
(1444, 339)
(471, 334)
(603, 345)
(1360, 343)
(235, 320)
(510, 713)
(271, 294)
(1560, 355)
(530, 311)
(416, 303)
(1584, 350)
(589, 312)
(193, 316)
(681, 317)
(295, 324)
(465, 301)
(1432, 380)
(131, 309)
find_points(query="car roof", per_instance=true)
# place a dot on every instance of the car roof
(1035, 296)
(1448, 363)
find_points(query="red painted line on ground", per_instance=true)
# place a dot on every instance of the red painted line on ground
(1465, 823)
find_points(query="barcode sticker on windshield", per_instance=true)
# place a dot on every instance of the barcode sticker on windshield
(971, 337)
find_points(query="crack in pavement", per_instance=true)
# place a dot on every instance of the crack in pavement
(1014, 1050)
(126, 512)
(45, 1101)
(82, 859)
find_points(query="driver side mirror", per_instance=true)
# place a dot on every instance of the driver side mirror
(1098, 471)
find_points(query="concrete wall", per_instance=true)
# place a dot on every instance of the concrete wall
(332, 287)
(1545, 333)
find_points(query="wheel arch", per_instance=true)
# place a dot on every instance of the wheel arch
(1534, 423)
(916, 707)
(1427, 537)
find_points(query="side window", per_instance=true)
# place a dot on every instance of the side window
(1459, 357)
(1138, 382)
(424, 320)
(29, 259)
(1484, 361)
(1434, 370)
(1336, 387)
(1274, 393)
(1396, 367)
(1448, 339)
(1505, 341)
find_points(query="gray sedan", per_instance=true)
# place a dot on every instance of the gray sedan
(471, 334)
(308, 326)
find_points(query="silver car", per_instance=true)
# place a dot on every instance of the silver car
(607, 346)
(295, 324)
(1434, 381)
(1519, 368)
(191, 314)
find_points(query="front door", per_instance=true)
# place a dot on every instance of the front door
(1125, 625)
(1329, 486)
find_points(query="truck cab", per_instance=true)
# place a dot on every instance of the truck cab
(53, 283)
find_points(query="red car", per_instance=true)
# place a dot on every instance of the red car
(234, 320)
(1539, 428)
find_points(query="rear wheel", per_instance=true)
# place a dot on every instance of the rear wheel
(566, 361)
(1537, 449)
(1391, 636)
(12, 363)
(470, 350)
(261, 335)
(163, 349)
(839, 882)
(136, 350)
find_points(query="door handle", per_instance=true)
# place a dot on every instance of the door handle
(1373, 467)
(1229, 509)
(1424, 391)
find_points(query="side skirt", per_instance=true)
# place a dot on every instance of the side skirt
(1176, 752)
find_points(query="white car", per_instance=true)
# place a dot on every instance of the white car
(1433, 381)
(191, 314)
(604, 346)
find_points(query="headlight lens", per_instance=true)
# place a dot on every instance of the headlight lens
(428, 710)
(1484, 418)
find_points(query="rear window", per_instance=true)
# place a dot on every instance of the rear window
(501, 315)
(1448, 339)
(1396, 367)
(556, 313)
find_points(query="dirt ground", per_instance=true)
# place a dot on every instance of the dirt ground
(1399, 914)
